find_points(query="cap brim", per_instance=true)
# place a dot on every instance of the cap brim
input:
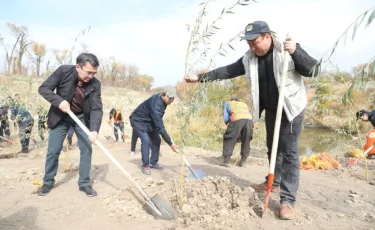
(250, 37)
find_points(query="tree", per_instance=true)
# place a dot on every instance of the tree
(9, 54)
(63, 57)
(22, 34)
(39, 51)
(132, 71)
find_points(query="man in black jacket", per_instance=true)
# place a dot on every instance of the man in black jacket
(147, 122)
(262, 66)
(77, 90)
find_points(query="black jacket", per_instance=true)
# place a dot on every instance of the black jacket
(148, 117)
(302, 62)
(64, 81)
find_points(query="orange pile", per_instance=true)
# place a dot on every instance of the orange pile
(319, 161)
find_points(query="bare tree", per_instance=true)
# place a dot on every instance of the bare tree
(22, 33)
(84, 48)
(63, 57)
(133, 71)
(9, 54)
(39, 51)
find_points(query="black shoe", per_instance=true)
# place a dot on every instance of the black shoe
(44, 190)
(225, 162)
(24, 151)
(157, 166)
(242, 163)
(88, 190)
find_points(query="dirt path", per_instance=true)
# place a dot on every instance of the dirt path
(338, 199)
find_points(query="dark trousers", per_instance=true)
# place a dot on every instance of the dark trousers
(149, 140)
(119, 124)
(25, 133)
(4, 128)
(287, 160)
(238, 129)
(70, 135)
(41, 129)
(55, 143)
(133, 141)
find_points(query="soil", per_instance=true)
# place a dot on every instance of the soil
(334, 199)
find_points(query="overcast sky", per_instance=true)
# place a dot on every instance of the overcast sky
(152, 34)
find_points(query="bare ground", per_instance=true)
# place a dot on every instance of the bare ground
(336, 199)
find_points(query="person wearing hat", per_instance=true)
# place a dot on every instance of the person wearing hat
(364, 115)
(262, 66)
(239, 126)
(147, 122)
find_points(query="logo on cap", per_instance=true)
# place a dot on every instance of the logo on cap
(249, 27)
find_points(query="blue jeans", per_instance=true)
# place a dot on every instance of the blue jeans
(287, 159)
(149, 140)
(119, 124)
(55, 143)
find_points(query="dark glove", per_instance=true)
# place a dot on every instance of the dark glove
(360, 113)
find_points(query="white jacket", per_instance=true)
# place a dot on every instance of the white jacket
(295, 93)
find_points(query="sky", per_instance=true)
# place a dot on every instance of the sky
(153, 35)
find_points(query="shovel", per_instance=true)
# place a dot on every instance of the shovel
(197, 174)
(8, 140)
(353, 162)
(155, 205)
(276, 133)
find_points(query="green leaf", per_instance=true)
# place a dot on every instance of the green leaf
(363, 17)
(343, 99)
(372, 16)
(354, 30)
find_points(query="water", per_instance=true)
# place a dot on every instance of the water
(319, 140)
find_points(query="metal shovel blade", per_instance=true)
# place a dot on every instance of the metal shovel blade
(165, 211)
(197, 174)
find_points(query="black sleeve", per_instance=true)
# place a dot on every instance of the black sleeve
(157, 119)
(46, 90)
(371, 117)
(226, 72)
(96, 112)
(304, 63)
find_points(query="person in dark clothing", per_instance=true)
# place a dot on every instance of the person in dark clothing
(133, 143)
(118, 122)
(147, 121)
(70, 138)
(366, 116)
(4, 122)
(262, 66)
(79, 91)
(42, 120)
(25, 123)
(239, 125)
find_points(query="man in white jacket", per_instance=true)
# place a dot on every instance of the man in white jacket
(262, 66)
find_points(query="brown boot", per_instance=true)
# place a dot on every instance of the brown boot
(263, 187)
(287, 212)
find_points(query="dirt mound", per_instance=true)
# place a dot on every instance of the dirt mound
(211, 203)
(217, 203)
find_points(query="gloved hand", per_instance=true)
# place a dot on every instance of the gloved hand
(359, 114)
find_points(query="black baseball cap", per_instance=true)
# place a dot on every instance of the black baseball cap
(254, 29)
